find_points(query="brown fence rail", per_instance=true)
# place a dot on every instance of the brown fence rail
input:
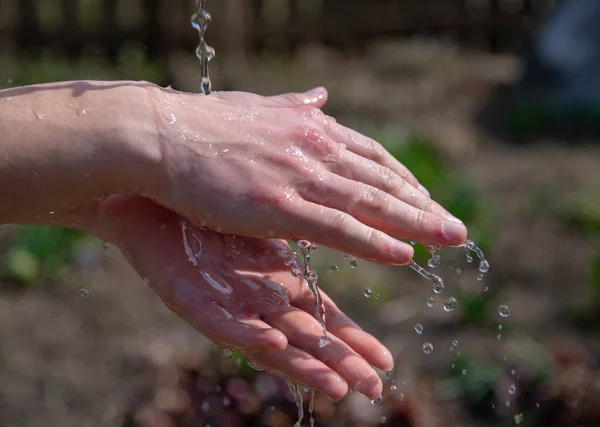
(163, 25)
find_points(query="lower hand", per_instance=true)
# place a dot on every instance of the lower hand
(240, 294)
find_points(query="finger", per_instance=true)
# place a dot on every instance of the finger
(340, 231)
(303, 331)
(357, 168)
(250, 335)
(340, 325)
(372, 150)
(300, 367)
(379, 210)
(316, 97)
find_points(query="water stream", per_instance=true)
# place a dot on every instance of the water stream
(200, 21)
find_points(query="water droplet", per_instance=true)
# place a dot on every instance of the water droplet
(503, 311)
(455, 343)
(388, 374)
(401, 396)
(377, 401)
(500, 327)
(393, 388)
(464, 372)
(513, 372)
(430, 302)
(291, 259)
(368, 293)
(253, 365)
(205, 406)
(84, 293)
(537, 404)
(484, 266)
(499, 336)
(480, 277)
(296, 273)
(519, 418)
(413, 242)
(377, 297)
(419, 329)
(226, 402)
(227, 353)
(324, 341)
(354, 263)
(434, 261)
(486, 289)
(334, 268)
(51, 213)
(304, 245)
(451, 304)
(10, 81)
(469, 257)
(512, 389)
(507, 403)
(458, 271)
(382, 420)
(40, 115)
(453, 365)
(427, 348)
(438, 285)
(82, 111)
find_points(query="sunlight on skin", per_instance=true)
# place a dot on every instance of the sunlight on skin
(239, 293)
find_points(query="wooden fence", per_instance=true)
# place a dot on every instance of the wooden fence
(164, 25)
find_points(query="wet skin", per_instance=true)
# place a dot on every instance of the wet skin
(239, 293)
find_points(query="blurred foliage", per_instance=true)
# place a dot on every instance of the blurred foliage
(41, 253)
(51, 66)
(582, 212)
(595, 278)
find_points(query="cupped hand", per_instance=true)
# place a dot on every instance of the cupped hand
(244, 164)
(239, 293)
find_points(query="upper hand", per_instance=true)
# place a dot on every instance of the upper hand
(278, 167)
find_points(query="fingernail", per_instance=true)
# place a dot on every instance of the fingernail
(424, 190)
(451, 217)
(455, 232)
(314, 95)
(402, 252)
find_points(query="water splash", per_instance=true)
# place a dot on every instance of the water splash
(297, 393)
(311, 278)
(310, 408)
(484, 265)
(438, 283)
(200, 21)
(434, 261)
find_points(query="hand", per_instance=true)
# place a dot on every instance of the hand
(278, 167)
(240, 294)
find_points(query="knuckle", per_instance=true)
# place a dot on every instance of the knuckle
(389, 180)
(375, 200)
(341, 222)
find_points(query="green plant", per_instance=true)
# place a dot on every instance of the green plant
(37, 253)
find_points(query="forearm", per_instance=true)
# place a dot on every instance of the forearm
(66, 143)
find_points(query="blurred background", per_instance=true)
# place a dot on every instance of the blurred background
(493, 104)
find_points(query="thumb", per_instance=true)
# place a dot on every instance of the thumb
(316, 97)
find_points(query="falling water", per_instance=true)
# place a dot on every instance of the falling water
(296, 392)
(438, 283)
(484, 266)
(311, 278)
(200, 21)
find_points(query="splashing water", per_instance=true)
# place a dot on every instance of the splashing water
(297, 393)
(427, 348)
(311, 278)
(434, 261)
(484, 265)
(310, 408)
(200, 21)
(438, 283)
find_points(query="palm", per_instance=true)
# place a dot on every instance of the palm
(239, 293)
